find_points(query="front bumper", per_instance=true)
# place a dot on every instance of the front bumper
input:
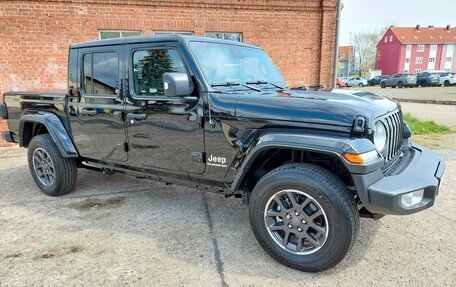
(418, 169)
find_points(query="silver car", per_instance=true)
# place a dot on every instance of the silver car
(399, 80)
(356, 82)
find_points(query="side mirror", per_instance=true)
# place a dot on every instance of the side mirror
(176, 85)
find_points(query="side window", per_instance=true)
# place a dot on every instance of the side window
(101, 73)
(149, 67)
(73, 72)
(87, 74)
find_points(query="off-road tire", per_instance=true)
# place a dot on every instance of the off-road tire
(65, 169)
(330, 193)
(446, 83)
(400, 85)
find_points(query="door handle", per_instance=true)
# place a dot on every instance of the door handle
(89, 112)
(137, 117)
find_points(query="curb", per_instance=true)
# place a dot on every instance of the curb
(419, 101)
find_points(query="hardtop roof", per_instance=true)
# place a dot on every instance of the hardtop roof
(156, 38)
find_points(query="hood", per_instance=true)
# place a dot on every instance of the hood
(328, 108)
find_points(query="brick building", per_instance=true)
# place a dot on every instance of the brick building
(346, 61)
(417, 49)
(298, 34)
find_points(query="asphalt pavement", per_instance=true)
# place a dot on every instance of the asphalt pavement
(118, 230)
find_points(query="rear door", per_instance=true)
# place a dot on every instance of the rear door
(99, 132)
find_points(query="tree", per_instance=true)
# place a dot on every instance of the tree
(154, 65)
(365, 47)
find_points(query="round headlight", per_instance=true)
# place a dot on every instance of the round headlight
(379, 136)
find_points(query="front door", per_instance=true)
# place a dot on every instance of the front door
(99, 132)
(163, 133)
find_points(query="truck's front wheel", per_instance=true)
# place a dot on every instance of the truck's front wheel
(54, 174)
(304, 217)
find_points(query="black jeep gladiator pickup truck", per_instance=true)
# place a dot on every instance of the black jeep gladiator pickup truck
(216, 115)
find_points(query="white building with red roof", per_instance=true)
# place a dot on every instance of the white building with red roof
(417, 49)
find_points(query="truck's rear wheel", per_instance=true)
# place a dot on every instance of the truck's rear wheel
(304, 217)
(54, 174)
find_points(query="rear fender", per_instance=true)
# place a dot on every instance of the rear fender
(55, 127)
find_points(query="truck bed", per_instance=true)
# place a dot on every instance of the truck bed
(18, 102)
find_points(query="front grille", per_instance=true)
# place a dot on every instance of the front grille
(394, 126)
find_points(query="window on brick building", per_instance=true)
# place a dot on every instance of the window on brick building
(149, 67)
(417, 71)
(420, 48)
(419, 60)
(173, 32)
(448, 59)
(409, 47)
(406, 71)
(226, 36)
(101, 73)
(391, 38)
(386, 39)
(433, 47)
(407, 60)
(109, 34)
(431, 60)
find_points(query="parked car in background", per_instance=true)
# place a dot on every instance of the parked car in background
(447, 79)
(399, 80)
(427, 79)
(356, 81)
(376, 80)
(340, 83)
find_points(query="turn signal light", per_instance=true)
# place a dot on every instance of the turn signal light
(353, 158)
(362, 158)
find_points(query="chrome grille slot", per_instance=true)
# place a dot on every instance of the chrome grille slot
(394, 126)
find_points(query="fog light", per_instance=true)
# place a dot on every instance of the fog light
(412, 198)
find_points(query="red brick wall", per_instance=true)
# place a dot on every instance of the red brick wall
(35, 35)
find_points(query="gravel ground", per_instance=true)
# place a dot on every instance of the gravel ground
(118, 230)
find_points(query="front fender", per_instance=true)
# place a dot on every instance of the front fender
(331, 145)
(55, 127)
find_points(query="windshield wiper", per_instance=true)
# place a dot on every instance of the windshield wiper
(259, 82)
(229, 84)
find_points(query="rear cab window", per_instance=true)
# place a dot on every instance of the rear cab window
(100, 73)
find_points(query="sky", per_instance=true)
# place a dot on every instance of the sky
(371, 15)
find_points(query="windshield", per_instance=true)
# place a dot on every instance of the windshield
(225, 63)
